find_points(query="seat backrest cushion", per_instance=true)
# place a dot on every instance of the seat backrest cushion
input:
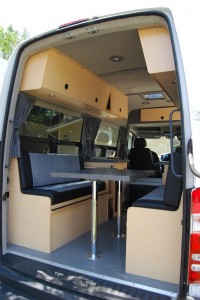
(140, 143)
(141, 159)
(35, 168)
(173, 187)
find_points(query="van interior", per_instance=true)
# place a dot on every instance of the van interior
(88, 96)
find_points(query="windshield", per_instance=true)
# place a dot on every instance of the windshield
(162, 145)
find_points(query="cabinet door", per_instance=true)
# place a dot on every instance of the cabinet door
(50, 74)
(157, 49)
(54, 77)
(158, 53)
(168, 82)
(158, 114)
(118, 103)
(71, 80)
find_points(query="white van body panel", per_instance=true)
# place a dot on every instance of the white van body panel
(188, 48)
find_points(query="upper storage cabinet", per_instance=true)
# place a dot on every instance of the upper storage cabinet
(118, 103)
(56, 78)
(157, 49)
(158, 114)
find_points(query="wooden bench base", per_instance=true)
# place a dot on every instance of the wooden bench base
(153, 245)
(33, 224)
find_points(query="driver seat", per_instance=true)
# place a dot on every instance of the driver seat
(140, 157)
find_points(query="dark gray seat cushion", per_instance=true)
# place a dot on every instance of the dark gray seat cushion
(153, 199)
(35, 168)
(65, 191)
(165, 197)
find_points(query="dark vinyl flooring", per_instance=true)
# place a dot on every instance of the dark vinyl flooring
(110, 266)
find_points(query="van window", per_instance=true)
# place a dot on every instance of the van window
(106, 140)
(47, 130)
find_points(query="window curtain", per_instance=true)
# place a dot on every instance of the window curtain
(122, 143)
(90, 128)
(24, 105)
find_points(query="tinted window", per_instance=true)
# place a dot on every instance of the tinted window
(106, 141)
(45, 128)
(107, 136)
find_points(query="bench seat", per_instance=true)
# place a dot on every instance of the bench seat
(166, 197)
(53, 210)
(60, 193)
(154, 230)
(140, 187)
(154, 200)
(35, 177)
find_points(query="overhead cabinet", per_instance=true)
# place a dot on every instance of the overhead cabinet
(118, 103)
(56, 78)
(158, 114)
(157, 49)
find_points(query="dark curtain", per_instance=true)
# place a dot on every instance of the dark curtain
(90, 128)
(122, 143)
(24, 105)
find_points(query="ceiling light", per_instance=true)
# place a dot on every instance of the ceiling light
(153, 96)
(116, 58)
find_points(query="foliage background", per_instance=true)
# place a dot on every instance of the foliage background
(9, 39)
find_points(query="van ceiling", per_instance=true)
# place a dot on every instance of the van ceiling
(128, 75)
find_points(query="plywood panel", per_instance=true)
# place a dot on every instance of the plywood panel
(153, 246)
(32, 224)
(54, 74)
(157, 49)
(28, 217)
(56, 78)
(69, 223)
(118, 103)
(72, 221)
(158, 53)
(158, 114)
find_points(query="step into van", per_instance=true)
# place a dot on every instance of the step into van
(100, 190)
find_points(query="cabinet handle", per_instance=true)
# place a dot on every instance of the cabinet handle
(66, 86)
(96, 100)
(120, 110)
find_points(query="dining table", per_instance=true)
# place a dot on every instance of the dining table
(104, 174)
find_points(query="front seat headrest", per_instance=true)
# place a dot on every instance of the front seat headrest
(140, 143)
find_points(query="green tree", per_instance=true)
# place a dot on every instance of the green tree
(9, 39)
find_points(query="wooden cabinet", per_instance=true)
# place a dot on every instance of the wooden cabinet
(118, 103)
(158, 53)
(53, 74)
(167, 81)
(158, 114)
(56, 78)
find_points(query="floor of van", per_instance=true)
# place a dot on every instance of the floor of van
(110, 266)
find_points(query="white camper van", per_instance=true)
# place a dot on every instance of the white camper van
(99, 127)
